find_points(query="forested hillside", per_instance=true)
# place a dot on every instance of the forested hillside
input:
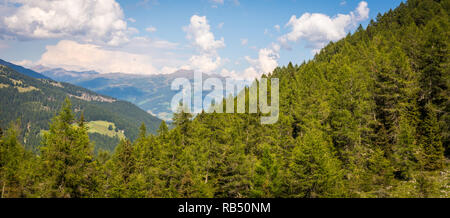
(36, 101)
(367, 117)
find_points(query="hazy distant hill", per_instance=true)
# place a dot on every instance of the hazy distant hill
(150, 92)
(35, 102)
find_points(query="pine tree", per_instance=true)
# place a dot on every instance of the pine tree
(434, 63)
(432, 150)
(182, 120)
(122, 165)
(67, 156)
(12, 158)
(267, 180)
(163, 129)
(314, 171)
(233, 178)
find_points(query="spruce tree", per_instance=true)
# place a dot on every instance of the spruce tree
(67, 157)
(314, 170)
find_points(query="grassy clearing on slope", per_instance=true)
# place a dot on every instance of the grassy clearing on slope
(19, 88)
(103, 127)
(27, 89)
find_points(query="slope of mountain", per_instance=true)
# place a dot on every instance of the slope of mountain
(35, 101)
(23, 70)
(152, 93)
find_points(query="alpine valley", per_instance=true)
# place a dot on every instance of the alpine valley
(34, 99)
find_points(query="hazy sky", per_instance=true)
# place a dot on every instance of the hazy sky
(237, 38)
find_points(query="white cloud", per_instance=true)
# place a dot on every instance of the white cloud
(205, 63)
(146, 44)
(160, 53)
(84, 20)
(362, 11)
(198, 32)
(220, 25)
(132, 20)
(168, 70)
(141, 55)
(248, 75)
(227, 73)
(71, 55)
(266, 62)
(24, 63)
(319, 29)
(343, 3)
(150, 29)
(244, 41)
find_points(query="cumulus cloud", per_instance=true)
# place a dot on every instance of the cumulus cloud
(71, 55)
(142, 55)
(198, 32)
(362, 11)
(205, 62)
(161, 53)
(247, 75)
(86, 20)
(319, 29)
(266, 62)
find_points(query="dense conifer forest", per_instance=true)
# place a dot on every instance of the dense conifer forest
(367, 117)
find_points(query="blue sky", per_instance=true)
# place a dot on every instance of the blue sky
(238, 38)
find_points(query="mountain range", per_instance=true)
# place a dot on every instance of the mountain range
(151, 93)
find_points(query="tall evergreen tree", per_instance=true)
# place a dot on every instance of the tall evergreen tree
(67, 157)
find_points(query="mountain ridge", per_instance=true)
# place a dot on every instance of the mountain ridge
(23, 70)
(151, 93)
